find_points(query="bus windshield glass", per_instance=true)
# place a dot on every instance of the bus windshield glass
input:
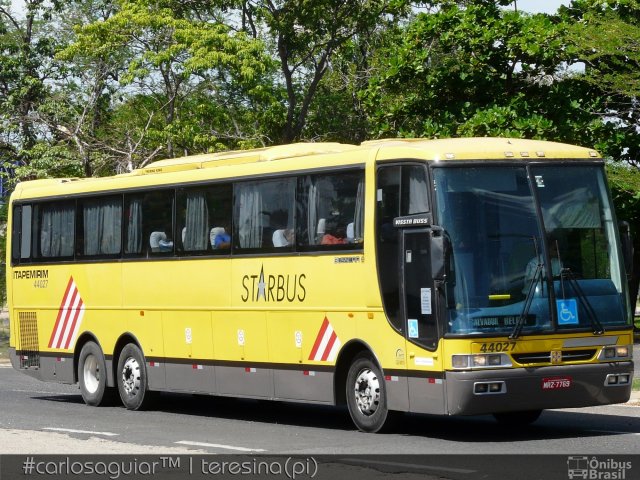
(500, 276)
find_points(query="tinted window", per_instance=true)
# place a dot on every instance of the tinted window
(204, 220)
(149, 223)
(56, 230)
(330, 211)
(264, 215)
(100, 226)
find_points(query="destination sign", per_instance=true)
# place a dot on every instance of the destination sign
(498, 321)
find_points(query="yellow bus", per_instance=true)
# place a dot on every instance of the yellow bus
(456, 277)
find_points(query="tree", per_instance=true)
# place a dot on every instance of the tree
(26, 51)
(306, 36)
(475, 69)
(164, 57)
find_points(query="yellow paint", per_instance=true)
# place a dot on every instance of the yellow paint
(212, 308)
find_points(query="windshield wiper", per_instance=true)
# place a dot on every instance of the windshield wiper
(596, 326)
(527, 301)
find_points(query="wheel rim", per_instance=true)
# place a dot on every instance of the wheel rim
(367, 392)
(131, 376)
(91, 374)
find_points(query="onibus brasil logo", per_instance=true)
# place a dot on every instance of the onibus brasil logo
(594, 468)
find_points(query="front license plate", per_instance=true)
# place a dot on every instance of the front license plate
(556, 383)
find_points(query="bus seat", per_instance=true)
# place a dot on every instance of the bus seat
(154, 240)
(350, 233)
(279, 239)
(215, 231)
(320, 230)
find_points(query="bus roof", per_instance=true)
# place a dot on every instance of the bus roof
(314, 155)
(477, 149)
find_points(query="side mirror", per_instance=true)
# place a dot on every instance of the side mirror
(440, 253)
(627, 246)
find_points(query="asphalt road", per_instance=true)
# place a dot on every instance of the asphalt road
(220, 425)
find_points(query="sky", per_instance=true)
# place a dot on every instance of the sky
(541, 6)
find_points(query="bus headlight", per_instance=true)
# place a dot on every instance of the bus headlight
(494, 360)
(617, 352)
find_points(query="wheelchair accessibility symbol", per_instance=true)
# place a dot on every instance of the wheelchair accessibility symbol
(567, 311)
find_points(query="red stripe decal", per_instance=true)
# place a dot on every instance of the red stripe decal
(76, 315)
(329, 346)
(64, 298)
(316, 345)
(66, 318)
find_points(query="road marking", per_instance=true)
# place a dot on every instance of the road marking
(217, 445)
(89, 432)
(43, 392)
(409, 465)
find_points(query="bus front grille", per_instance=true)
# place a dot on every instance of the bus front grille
(29, 349)
(545, 357)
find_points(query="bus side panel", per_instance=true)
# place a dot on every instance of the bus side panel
(287, 337)
(54, 305)
(188, 347)
(241, 345)
(176, 302)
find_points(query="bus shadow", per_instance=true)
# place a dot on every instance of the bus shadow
(261, 411)
(552, 424)
(66, 398)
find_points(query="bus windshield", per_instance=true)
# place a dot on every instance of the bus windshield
(500, 280)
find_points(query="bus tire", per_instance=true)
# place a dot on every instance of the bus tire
(517, 419)
(92, 376)
(366, 394)
(132, 378)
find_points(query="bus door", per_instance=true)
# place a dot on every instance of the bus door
(419, 312)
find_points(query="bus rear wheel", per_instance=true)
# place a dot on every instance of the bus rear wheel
(366, 394)
(92, 376)
(132, 378)
(517, 419)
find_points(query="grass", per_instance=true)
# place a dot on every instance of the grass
(636, 384)
(4, 342)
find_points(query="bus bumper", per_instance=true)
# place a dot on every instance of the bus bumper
(48, 368)
(536, 388)
(15, 363)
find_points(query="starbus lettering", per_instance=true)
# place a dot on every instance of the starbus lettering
(273, 288)
(30, 274)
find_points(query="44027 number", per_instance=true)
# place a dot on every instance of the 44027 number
(41, 283)
(497, 347)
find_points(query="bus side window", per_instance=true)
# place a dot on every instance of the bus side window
(330, 211)
(261, 209)
(56, 230)
(100, 226)
(133, 225)
(157, 222)
(204, 219)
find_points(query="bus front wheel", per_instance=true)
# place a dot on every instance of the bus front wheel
(132, 378)
(366, 394)
(92, 376)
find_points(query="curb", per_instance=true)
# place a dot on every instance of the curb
(634, 400)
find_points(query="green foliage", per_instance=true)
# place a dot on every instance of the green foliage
(166, 60)
(44, 160)
(478, 70)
